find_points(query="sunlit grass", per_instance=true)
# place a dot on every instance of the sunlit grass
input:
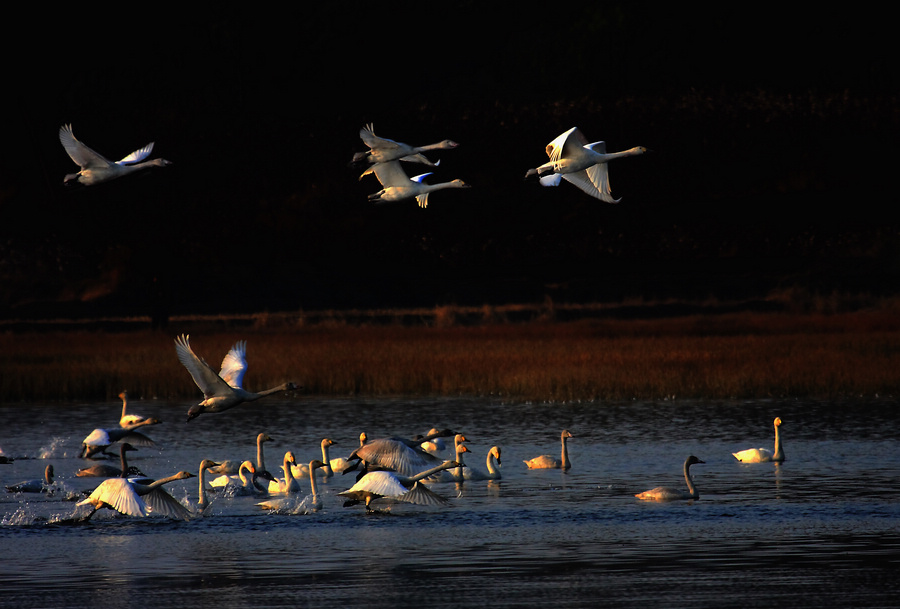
(723, 356)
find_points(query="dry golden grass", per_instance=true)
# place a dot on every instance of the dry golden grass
(723, 356)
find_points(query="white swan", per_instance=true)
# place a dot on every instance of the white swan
(244, 482)
(550, 462)
(39, 485)
(104, 470)
(339, 464)
(398, 186)
(288, 484)
(223, 390)
(435, 445)
(95, 168)
(455, 474)
(232, 467)
(202, 500)
(129, 420)
(583, 164)
(136, 499)
(763, 455)
(394, 454)
(665, 493)
(312, 503)
(100, 439)
(392, 486)
(383, 150)
(301, 470)
(491, 462)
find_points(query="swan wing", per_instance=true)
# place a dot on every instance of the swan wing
(367, 134)
(594, 181)
(120, 494)
(136, 438)
(81, 154)
(570, 143)
(98, 437)
(234, 365)
(753, 455)
(419, 494)
(210, 383)
(391, 174)
(396, 456)
(419, 158)
(552, 179)
(383, 484)
(137, 156)
(160, 502)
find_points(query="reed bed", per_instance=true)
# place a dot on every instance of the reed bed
(725, 356)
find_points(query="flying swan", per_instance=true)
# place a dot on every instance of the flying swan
(666, 493)
(95, 168)
(137, 499)
(223, 390)
(763, 455)
(383, 150)
(583, 164)
(398, 186)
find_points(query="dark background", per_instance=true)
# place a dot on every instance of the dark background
(772, 135)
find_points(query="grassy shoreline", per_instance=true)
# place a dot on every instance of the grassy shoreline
(734, 355)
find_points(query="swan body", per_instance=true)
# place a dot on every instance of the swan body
(383, 150)
(128, 420)
(95, 168)
(137, 499)
(581, 163)
(288, 484)
(221, 391)
(245, 482)
(454, 474)
(491, 462)
(104, 470)
(763, 455)
(435, 445)
(551, 462)
(397, 454)
(308, 504)
(39, 485)
(398, 186)
(665, 493)
(100, 439)
(392, 486)
(326, 471)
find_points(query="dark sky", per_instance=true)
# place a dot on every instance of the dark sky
(769, 132)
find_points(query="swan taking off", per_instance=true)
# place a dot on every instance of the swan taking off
(665, 493)
(550, 462)
(223, 390)
(583, 164)
(136, 499)
(394, 487)
(398, 186)
(383, 150)
(403, 456)
(95, 168)
(100, 439)
(763, 455)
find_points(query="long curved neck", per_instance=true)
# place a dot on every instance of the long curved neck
(260, 460)
(202, 493)
(779, 454)
(327, 467)
(243, 470)
(288, 474)
(312, 476)
(124, 406)
(565, 453)
(48, 475)
(690, 481)
(490, 463)
(123, 461)
(264, 393)
(161, 481)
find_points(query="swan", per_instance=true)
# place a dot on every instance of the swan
(231, 468)
(100, 439)
(456, 474)
(245, 482)
(392, 486)
(202, 500)
(310, 504)
(302, 470)
(383, 150)
(550, 462)
(39, 485)
(398, 454)
(398, 186)
(128, 420)
(137, 499)
(95, 168)
(340, 464)
(583, 164)
(435, 445)
(288, 484)
(104, 470)
(665, 493)
(763, 455)
(492, 461)
(223, 390)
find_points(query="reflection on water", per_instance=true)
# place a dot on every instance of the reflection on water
(819, 530)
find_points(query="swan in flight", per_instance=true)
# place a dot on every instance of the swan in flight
(100, 439)
(551, 462)
(403, 456)
(137, 499)
(39, 485)
(763, 455)
(95, 168)
(398, 186)
(666, 493)
(129, 420)
(383, 150)
(583, 164)
(392, 486)
(223, 390)
(290, 504)
(492, 462)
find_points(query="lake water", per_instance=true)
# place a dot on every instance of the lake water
(820, 530)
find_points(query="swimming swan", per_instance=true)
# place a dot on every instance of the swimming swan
(136, 499)
(383, 150)
(302, 470)
(95, 168)
(288, 484)
(455, 474)
(550, 462)
(398, 186)
(581, 163)
(665, 493)
(39, 485)
(202, 500)
(312, 503)
(220, 391)
(129, 420)
(763, 455)
(392, 486)
(491, 462)
(232, 468)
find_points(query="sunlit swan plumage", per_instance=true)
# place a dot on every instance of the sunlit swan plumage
(398, 454)
(455, 474)
(398, 186)
(223, 390)
(95, 168)
(288, 484)
(666, 493)
(551, 462)
(383, 150)
(393, 486)
(339, 464)
(491, 462)
(763, 455)
(312, 503)
(100, 439)
(435, 445)
(581, 163)
(129, 420)
(38, 485)
(137, 499)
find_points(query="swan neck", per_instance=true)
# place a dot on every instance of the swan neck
(312, 478)
(690, 481)
(260, 459)
(565, 453)
(779, 454)
(325, 459)
(490, 464)
(427, 472)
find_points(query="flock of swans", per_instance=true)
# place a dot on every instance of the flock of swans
(572, 158)
(384, 470)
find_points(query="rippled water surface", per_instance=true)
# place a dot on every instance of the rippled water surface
(819, 530)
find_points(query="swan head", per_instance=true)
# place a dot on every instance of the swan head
(777, 421)
(126, 447)
(289, 457)
(448, 145)
(207, 463)
(459, 184)
(263, 438)
(495, 450)
(462, 448)
(123, 396)
(363, 438)
(451, 464)
(566, 434)
(692, 460)
(183, 476)
(195, 411)
(328, 442)
(459, 438)
(315, 464)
